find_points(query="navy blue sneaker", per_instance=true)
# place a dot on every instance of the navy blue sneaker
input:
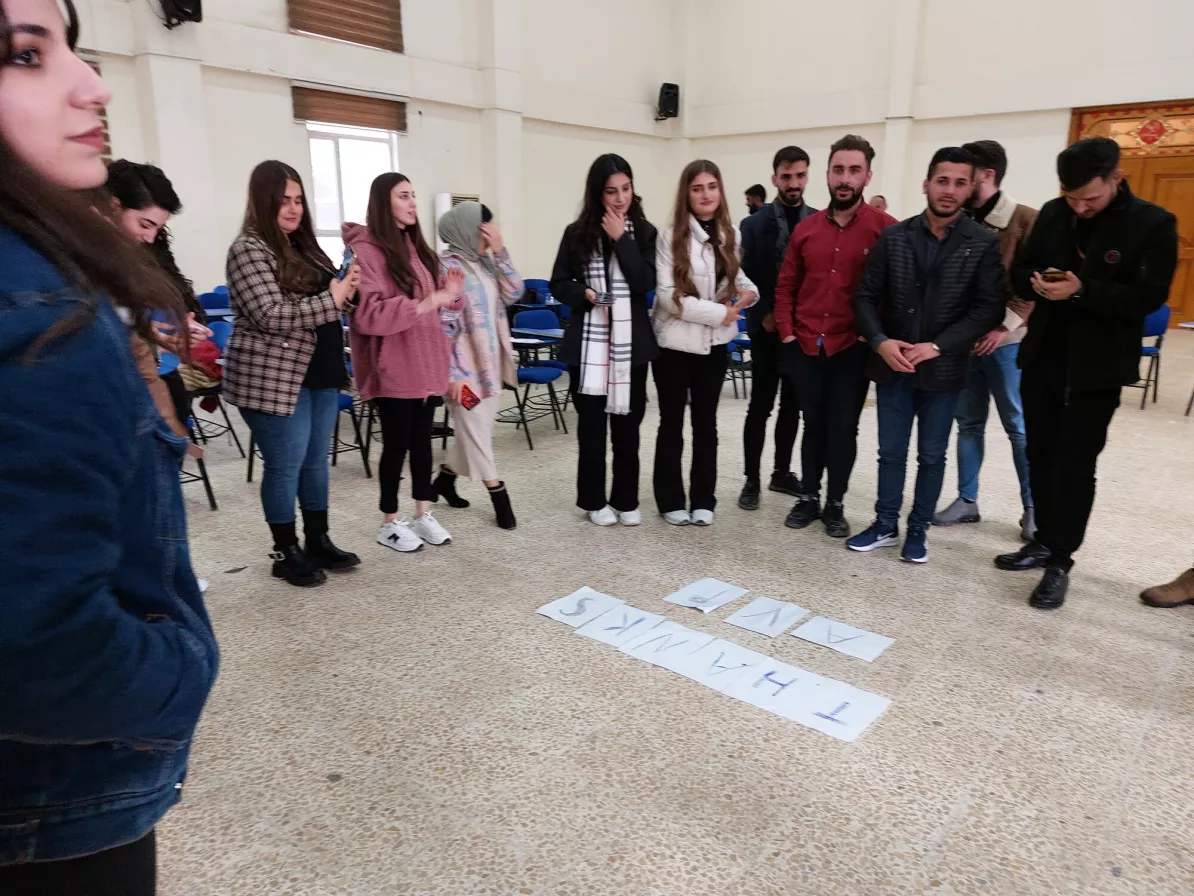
(916, 549)
(877, 536)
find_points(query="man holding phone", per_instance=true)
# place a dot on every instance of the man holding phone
(1098, 261)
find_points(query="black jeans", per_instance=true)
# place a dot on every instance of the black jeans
(623, 432)
(405, 427)
(681, 378)
(123, 871)
(1066, 433)
(767, 380)
(832, 393)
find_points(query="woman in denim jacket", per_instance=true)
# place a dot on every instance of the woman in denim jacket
(106, 651)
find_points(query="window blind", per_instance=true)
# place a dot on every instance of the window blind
(348, 109)
(374, 23)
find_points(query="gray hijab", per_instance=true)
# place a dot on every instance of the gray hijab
(460, 228)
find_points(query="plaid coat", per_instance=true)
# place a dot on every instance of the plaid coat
(274, 337)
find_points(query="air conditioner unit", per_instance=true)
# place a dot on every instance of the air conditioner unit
(444, 202)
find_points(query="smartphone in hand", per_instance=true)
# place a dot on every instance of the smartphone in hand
(468, 398)
(603, 298)
(1052, 276)
(349, 257)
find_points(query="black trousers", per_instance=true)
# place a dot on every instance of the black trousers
(767, 380)
(405, 428)
(1066, 433)
(832, 392)
(682, 379)
(178, 395)
(623, 431)
(123, 871)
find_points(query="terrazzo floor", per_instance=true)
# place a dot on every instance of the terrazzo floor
(414, 728)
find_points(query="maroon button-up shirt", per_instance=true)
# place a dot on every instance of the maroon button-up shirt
(820, 274)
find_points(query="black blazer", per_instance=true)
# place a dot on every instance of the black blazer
(955, 304)
(636, 256)
(1125, 276)
(761, 258)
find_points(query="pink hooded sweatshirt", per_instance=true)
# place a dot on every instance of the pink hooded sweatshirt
(396, 351)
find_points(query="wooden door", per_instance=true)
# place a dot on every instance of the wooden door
(1169, 182)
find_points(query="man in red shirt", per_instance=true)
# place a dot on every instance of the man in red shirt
(815, 317)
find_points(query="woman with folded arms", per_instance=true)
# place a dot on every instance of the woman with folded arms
(482, 353)
(700, 297)
(284, 367)
(400, 350)
(603, 271)
(106, 651)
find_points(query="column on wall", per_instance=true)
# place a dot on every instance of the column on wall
(500, 46)
(897, 134)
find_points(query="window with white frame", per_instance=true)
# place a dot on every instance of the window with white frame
(344, 162)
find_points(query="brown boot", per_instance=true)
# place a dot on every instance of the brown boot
(1175, 594)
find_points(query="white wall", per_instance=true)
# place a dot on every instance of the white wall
(556, 160)
(512, 99)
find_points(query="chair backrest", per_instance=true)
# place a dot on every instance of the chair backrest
(221, 332)
(221, 289)
(1157, 323)
(167, 363)
(562, 311)
(537, 292)
(214, 300)
(536, 320)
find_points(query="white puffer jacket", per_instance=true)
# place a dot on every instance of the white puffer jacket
(693, 324)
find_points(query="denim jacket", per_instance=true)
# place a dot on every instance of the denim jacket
(106, 651)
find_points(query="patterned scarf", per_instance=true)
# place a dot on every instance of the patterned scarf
(605, 343)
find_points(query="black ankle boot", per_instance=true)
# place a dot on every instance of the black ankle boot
(501, 506)
(289, 561)
(320, 550)
(445, 487)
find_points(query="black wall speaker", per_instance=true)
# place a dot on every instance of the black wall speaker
(669, 102)
(178, 11)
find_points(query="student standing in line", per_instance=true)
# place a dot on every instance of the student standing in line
(815, 315)
(400, 350)
(756, 198)
(482, 353)
(107, 654)
(993, 370)
(285, 365)
(764, 241)
(933, 286)
(1097, 263)
(604, 269)
(700, 296)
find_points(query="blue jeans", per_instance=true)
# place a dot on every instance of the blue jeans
(995, 375)
(294, 453)
(901, 402)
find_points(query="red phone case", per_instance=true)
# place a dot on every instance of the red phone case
(469, 398)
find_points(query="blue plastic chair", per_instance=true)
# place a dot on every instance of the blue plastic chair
(1155, 327)
(221, 289)
(537, 292)
(545, 319)
(167, 363)
(349, 403)
(541, 376)
(221, 332)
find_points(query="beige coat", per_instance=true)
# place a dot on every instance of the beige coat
(1013, 223)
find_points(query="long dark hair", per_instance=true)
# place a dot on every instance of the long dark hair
(392, 238)
(725, 248)
(302, 264)
(587, 228)
(93, 256)
(136, 186)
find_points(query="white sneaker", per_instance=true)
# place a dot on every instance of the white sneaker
(630, 518)
(398, 537)
(702, 517)
(677, 518)
(603, 517)
(202, 585)
(428, 528)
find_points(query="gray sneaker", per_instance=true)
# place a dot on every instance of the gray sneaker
(1028, 525)
(958, 512)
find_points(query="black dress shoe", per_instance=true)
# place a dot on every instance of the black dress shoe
(786, 484)
(1050, 593)
(749, 499)
(805, 513)
(326, 555)
(1032, 556)
(834, 519)
(291, 564)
